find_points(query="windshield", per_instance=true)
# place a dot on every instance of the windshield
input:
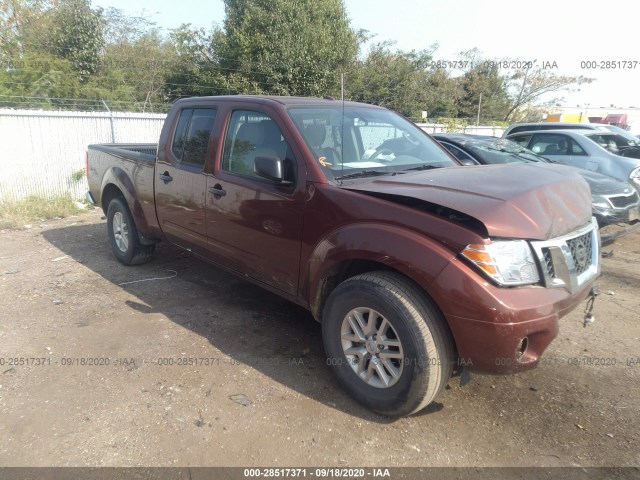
(366, 141)
(503, 151)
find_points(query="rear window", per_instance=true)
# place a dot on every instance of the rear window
(611, 142)
(191, 138)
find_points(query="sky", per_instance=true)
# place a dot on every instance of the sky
(569, 37)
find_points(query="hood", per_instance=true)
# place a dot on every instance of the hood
(604, 185)
(528, 201)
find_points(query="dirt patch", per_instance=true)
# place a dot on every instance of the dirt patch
(195, 367)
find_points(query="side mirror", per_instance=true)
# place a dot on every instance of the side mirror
(468, 162)
(271, 168)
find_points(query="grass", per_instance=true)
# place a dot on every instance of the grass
(34, 209)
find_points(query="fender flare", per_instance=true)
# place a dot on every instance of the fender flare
(117, 177)
(416, 256)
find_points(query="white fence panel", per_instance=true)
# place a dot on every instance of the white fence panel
(473, 130)
(43, 150)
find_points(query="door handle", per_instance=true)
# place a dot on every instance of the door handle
(217, 191)
(165, 177)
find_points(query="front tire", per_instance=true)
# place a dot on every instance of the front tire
(123, 235)
(387, 343)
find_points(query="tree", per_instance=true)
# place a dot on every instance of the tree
(16, 16)
(483, 90)
(76, 34)
(50, 50)
(526, 86)
(134, 66)
(396, 80)
(286, 47)
(195, 69)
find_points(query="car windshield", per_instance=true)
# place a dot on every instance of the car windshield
(611, 142)
(361, 141)
(503, 151)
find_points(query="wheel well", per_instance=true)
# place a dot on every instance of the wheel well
(109, 193)
(351, 268)
(338, 274)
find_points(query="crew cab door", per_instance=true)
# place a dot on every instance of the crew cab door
(180, 183)
(255, 223)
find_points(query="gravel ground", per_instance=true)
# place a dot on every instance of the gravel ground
(194, 367)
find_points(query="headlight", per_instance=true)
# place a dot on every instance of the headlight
(508, 262)
(635, 175)
(600, 202)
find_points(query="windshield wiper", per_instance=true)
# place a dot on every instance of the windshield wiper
(425, 166)
(364, 173)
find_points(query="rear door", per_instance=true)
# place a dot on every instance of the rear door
(181, 183)
(254, 223)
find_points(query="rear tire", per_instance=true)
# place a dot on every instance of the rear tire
(123, 235)
(387, 343)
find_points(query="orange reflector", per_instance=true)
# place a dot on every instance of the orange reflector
(490, 269)
(478, 255)
(473, 253)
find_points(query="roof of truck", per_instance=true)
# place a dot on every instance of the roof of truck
(283, 100)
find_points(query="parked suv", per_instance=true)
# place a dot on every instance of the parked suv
(530, 127)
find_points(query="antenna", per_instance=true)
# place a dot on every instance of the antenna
(342, 129)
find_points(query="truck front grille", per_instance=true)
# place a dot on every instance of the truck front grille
(571, 260)
(547, 266)
(581, 251)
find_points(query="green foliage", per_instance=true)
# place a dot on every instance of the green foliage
(527, 85)
(285, 47)
(64, 54)
(482, 89)
(17, 213)
(75, 33)
(452, 124)
(395, 80)
(76, 176)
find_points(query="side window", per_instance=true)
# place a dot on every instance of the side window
(550, 144)
(576, 149)
(252, 134)
(192, 134)
(177, 146)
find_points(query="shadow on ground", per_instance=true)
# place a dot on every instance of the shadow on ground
(245, 322)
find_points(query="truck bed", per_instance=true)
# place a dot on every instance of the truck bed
(144, 152)
(131, 166)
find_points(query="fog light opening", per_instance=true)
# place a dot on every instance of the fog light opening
(521, 349)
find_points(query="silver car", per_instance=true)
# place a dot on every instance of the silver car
(588, 149)
(534, 126)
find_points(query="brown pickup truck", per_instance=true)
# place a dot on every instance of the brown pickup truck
(415, 267)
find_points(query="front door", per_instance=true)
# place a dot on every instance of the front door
(256, 224)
